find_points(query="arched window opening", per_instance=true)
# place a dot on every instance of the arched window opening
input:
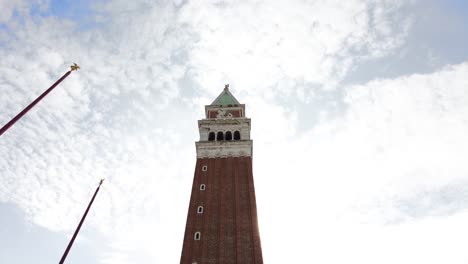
(236, 135)
(228, 135)
(202, 187)
(204, 168)
(211, 136)
(200, 210)
(220, 136)
(197, 236)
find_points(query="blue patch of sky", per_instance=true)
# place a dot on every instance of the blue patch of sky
(438, 37)
(22, 242)
(458, 6)
(5, 28)
(449, 31)
(81, 12)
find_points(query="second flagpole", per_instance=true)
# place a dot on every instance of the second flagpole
(70, 244)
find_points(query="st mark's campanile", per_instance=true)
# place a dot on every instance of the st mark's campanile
(222, 223)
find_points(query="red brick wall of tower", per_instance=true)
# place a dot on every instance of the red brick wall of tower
(228, 224)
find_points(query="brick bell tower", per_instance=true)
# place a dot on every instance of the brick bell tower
(222, 223)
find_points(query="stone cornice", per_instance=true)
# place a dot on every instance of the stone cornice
(220, 149)
(221, 121)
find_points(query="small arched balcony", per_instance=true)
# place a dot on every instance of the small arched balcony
(229, 135)
(237, 135)
(220, 136)
(211, 136)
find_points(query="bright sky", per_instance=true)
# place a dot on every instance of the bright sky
(359, 120)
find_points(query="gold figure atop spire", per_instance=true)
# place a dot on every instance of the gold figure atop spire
(74, 67)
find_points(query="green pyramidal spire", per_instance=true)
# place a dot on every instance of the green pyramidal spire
(225, 98)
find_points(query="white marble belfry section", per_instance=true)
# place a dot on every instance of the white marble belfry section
(224, 148)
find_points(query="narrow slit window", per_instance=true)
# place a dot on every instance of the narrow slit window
(197, 236)
(202, 187)
(200, 210)
(204, 168)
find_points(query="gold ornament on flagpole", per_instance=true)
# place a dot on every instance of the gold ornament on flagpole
(74, 67)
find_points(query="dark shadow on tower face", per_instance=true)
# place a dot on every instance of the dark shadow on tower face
(220, 136)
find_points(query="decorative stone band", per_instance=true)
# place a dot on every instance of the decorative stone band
(223, 149)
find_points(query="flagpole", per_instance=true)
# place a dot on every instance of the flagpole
(70, 244)
(74, 67)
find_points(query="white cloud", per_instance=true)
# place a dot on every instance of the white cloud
(388, 170)
(104, 121)
(256, 45)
